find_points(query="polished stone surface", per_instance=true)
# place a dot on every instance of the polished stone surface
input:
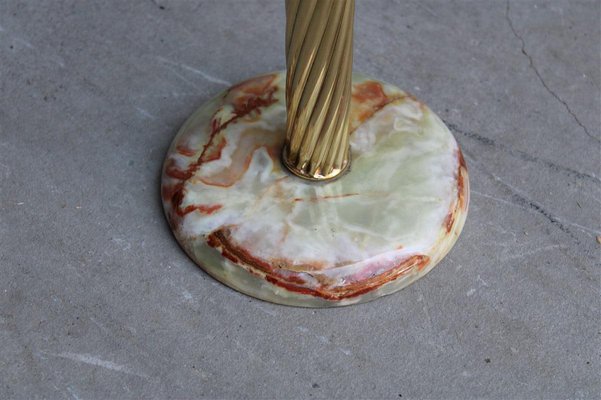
(251, 224)
(97, 300)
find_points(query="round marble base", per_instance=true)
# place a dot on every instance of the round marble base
(252, 225)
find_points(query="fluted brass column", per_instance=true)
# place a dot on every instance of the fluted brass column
(319, 57)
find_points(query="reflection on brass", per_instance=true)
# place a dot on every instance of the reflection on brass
(319, 57)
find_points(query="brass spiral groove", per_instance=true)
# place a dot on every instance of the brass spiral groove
(319, 58)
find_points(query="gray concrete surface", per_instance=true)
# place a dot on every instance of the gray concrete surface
(98, 301)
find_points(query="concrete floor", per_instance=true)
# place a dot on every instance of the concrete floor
(98, 301)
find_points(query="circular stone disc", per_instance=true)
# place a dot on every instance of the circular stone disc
(252, 225)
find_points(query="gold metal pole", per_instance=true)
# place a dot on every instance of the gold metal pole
(319, 57)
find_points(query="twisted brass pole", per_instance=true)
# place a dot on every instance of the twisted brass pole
(319, 58)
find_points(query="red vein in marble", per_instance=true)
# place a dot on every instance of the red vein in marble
(318, 198)
(247, 97)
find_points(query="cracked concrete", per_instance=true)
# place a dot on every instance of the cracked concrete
(542, 81)
(98, 301)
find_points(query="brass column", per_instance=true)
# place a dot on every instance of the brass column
(319, 58)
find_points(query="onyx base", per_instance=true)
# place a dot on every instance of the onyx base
(248, 222)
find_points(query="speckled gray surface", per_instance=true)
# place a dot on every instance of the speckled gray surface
(98, 301)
